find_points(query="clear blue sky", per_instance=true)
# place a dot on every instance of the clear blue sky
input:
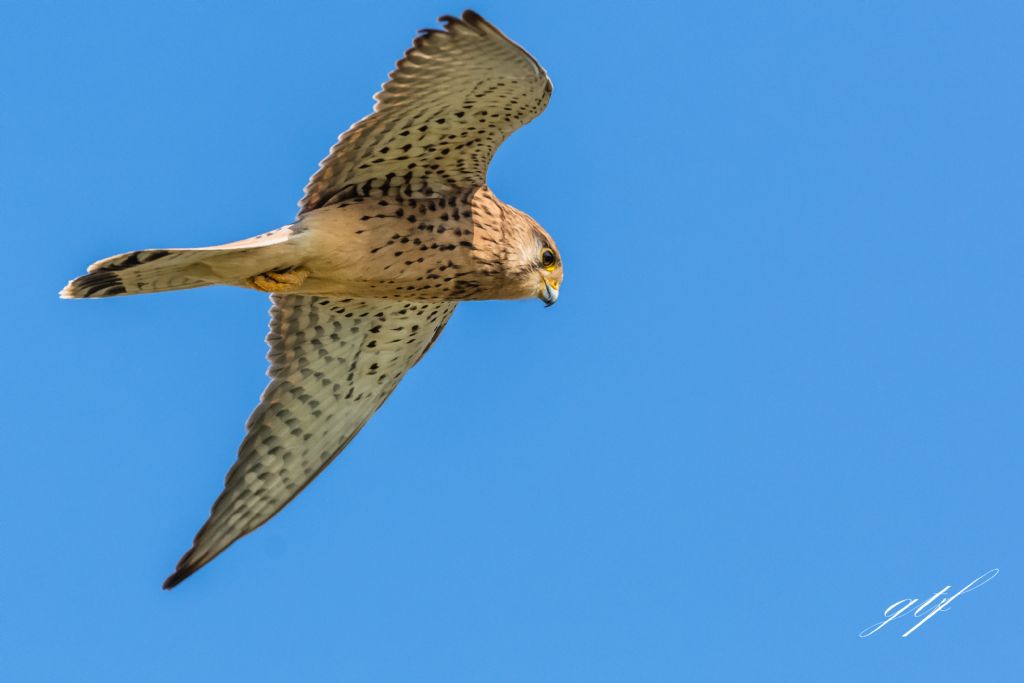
(783, 388)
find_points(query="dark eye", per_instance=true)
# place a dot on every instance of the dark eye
(548, 258)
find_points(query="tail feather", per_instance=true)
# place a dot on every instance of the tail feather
(165, 270)
(138, 272)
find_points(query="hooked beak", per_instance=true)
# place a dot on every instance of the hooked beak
(549, 294)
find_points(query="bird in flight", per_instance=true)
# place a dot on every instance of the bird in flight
(396, 227)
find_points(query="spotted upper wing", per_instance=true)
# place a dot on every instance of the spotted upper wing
(332, 363)
(454, 97)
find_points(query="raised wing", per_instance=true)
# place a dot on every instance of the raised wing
(332, 364)
(454, 97)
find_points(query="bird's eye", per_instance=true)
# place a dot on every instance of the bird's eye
(548, 259)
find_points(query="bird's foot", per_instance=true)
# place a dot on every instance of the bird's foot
(277, 281)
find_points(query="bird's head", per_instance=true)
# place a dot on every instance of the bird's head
(549, 270)
(536, 265)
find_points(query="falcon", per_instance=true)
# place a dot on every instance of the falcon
(396, 227)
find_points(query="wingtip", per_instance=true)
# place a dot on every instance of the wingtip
(186, 568)
(468, 18)
(177, 577)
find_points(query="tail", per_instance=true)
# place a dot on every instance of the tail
(138, 272)
(165, 270)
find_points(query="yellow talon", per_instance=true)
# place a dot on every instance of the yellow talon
(279, 280)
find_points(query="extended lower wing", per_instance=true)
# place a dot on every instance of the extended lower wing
(333, 362)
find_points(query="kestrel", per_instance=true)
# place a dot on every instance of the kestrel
(396, 227)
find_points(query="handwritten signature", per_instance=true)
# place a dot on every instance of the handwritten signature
(899, 609)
